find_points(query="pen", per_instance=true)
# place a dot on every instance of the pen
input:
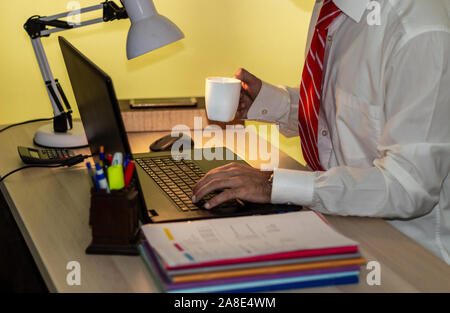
(100, 176)
(129, 173)
(127, 160)
(92, 175)
(102, 156)
(109, 158)
(105, 171)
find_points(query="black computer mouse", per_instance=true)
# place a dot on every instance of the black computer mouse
(165, 143)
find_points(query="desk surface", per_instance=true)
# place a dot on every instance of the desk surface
(51, 207)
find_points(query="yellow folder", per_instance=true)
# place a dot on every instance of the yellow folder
(277, 269)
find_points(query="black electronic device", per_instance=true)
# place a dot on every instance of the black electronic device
(165, 143)
(45, 156)
(163, 103)
(164, 180)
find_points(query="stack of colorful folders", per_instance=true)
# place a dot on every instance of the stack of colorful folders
(249, 254)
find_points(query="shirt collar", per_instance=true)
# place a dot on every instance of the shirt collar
(352, 8)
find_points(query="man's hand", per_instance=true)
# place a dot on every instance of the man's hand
(251, 86)
(237, 182)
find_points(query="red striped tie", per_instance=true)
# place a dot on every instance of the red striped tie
(311, 86)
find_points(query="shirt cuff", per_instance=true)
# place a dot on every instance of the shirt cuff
(293, 187)
(271, 103)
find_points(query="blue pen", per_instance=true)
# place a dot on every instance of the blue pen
(127, 160)
(92, 175)
(101, 178)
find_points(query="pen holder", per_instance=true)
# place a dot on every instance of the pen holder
(114, 221)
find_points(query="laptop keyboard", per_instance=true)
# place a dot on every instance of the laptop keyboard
(176, 178)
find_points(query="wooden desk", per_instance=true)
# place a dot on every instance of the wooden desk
(51, 207)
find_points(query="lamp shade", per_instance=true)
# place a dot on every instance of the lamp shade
(149, 30)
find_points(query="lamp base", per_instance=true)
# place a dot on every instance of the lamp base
(74, 138)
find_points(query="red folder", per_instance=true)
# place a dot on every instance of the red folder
(270, 257)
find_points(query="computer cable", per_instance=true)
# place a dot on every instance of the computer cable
(27, 122)
(69, 162)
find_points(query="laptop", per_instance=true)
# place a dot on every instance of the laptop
(165, 183)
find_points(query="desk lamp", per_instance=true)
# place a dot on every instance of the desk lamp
(149, 31)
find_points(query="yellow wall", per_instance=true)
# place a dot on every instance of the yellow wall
(265, 36)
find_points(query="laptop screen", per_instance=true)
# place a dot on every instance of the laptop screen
(97, 102)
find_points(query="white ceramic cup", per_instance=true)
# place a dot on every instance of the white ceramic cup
(222, 98)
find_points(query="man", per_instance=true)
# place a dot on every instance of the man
(373, 113)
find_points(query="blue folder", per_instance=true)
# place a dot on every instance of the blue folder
(279, 284)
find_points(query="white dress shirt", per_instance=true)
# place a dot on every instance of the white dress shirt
(384, 121)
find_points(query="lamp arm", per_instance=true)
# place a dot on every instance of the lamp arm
(63, 119)
(36, 27)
